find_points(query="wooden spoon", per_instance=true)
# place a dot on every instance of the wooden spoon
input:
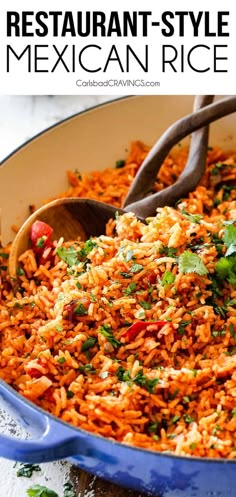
(81, 217)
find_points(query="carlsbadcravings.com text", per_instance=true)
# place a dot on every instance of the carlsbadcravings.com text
(95, 56)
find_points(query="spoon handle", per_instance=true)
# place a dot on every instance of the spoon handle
(145, 178)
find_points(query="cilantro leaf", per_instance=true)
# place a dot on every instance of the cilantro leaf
(106, 331)
(191, 263)
(229, 239)
(90, 342)
(68, 255)
(41, 491)
(130, 288)
(88, 246)
(136, 268)
(225, 269)
(168, 278)
(68, 489)
(193, 218)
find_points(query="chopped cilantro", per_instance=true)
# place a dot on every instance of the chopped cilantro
(153, 427)
(125, 275)
(40, 491)
(193, 446)
(27, 469)
(61, 360)
(106, 331)
(193, 218)
(120, 163)
(182, 326)
(4, 255)
(136, 268)
(168, 251)
(88, 247)
(78, 284)
(188, 419)
(69, 394)
(87, 368)
(225, 269)
(20, 271)
(88, 344)
(217, 167)
(40, 242)
(229, 239)
(68, 255)
(80, 310)
(233, 412)
(232, 331)
(130, 288)
(216, 429)
(168, 278)
(191, 263)
(175, 419)
(140, 379)
(145, 305)
(186, 399)
(59, 327)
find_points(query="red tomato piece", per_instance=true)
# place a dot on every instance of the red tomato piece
(135, 328)
(40, 229)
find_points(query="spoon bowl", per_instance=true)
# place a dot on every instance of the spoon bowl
(78, 217)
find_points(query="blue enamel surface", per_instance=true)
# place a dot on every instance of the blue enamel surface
(162, 475)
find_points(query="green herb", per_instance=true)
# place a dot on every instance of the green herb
(79, 286)
(188, 419)
(69, 394)
(193, 446)
(17, 305)
(231, 351)
(59, 327)
(226, 269)
(194, 371)
(68, 255)
(168, 251)
(231, 302)
(3, 268)
(168, 278)
(193, 218)
(175, 419)
(4, 255)
(145, 305)
(40, 491)
(68, 489)
(186, 399)
(216, 429)
(229, 239)
(40, 242)
(88, 344)
(61, 360)
(182, 326)
(233, 412)
(136, 268)
(153, 427)
(217, 167)
(171, 436)
(173, 395)
(125, 275)
(191, 263)
(227, 191)
(119, 164)
(93, 298)
(80, 310)
(106, 331)
(89, 245)
(87, 368)
(20, 271)
(27, 470)
(140, 379)
(218, 333)
(232, 331)
(130, 288)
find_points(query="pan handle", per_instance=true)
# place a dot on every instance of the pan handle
(55, 440)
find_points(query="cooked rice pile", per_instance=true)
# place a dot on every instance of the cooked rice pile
(168, 383)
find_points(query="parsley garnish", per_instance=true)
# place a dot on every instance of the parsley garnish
(27, 469)
(188, 419)
(130, 288)
(41, 491)
(87, 368)
(175, 419)
(40, 242)
(145, 305)
(88, 344)
(168, 251)
(168, 278)
(61, 360)
(106, 331)
(136, 268)
(182, 326)
(68, 255)
(4, 255)
(69, 394)
(80, 310)
(88, 246)
(233, 412)
(140, 379)
(191, 263)
(193, 218)
(20, 271)
(120, 163)
(225, 269)
(229, 239)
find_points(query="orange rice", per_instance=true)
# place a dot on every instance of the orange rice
(168, 384)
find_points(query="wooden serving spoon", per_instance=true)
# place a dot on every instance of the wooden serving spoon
(81, 217)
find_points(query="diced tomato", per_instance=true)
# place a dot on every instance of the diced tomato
(152, 278)
(40, 229)
(41, 241)
(76, 309)
(135, 328)
(34, 373)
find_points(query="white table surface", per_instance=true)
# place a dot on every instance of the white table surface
(21, 117)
